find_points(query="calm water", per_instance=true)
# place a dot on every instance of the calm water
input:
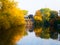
(37, 38)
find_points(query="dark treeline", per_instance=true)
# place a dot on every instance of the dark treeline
(46, 17)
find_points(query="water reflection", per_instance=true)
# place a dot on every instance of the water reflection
(41, 36)
(46, 33)
(11, 36)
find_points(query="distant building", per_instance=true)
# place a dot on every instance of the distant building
(29, 22)
(31, 17)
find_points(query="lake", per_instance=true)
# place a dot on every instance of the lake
(41, 36)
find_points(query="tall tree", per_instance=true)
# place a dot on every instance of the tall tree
(11, 19)
(38, 18)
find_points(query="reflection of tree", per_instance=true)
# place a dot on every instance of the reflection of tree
(53, 33)
(9, 37)
(42, 32)
(38, 31)
(46, 33)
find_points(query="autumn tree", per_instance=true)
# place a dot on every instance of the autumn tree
(58, 24)
(38, 18)
(11, 21)
(47, 18)
(45, 13)
(58, 19)
(53, 19)
(44, 16)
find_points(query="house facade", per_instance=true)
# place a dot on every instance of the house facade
(29, 22)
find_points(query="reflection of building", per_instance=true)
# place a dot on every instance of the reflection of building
(59, 37)
(29, 22)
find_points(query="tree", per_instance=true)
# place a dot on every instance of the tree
(53, 14)
(53, 19)
(42, 17)
(45, 13)
(11, 21)
(38, 19)
(45, 16)
(38, 15)
(58, 24)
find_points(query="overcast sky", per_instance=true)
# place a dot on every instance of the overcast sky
(33, 5)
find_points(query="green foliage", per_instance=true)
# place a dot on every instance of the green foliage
(45, 13)
(37, 23)
(42, 17)
(45, 33)
(58, 20)
(54, 14)
(46, 17)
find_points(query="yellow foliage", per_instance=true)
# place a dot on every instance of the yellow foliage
(38, 31)
(18, 34)
(14, 14)
(17, 16)
(11, 20)
(38, 16)
(48, 14)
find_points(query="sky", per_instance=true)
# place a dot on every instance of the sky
(33, 5)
